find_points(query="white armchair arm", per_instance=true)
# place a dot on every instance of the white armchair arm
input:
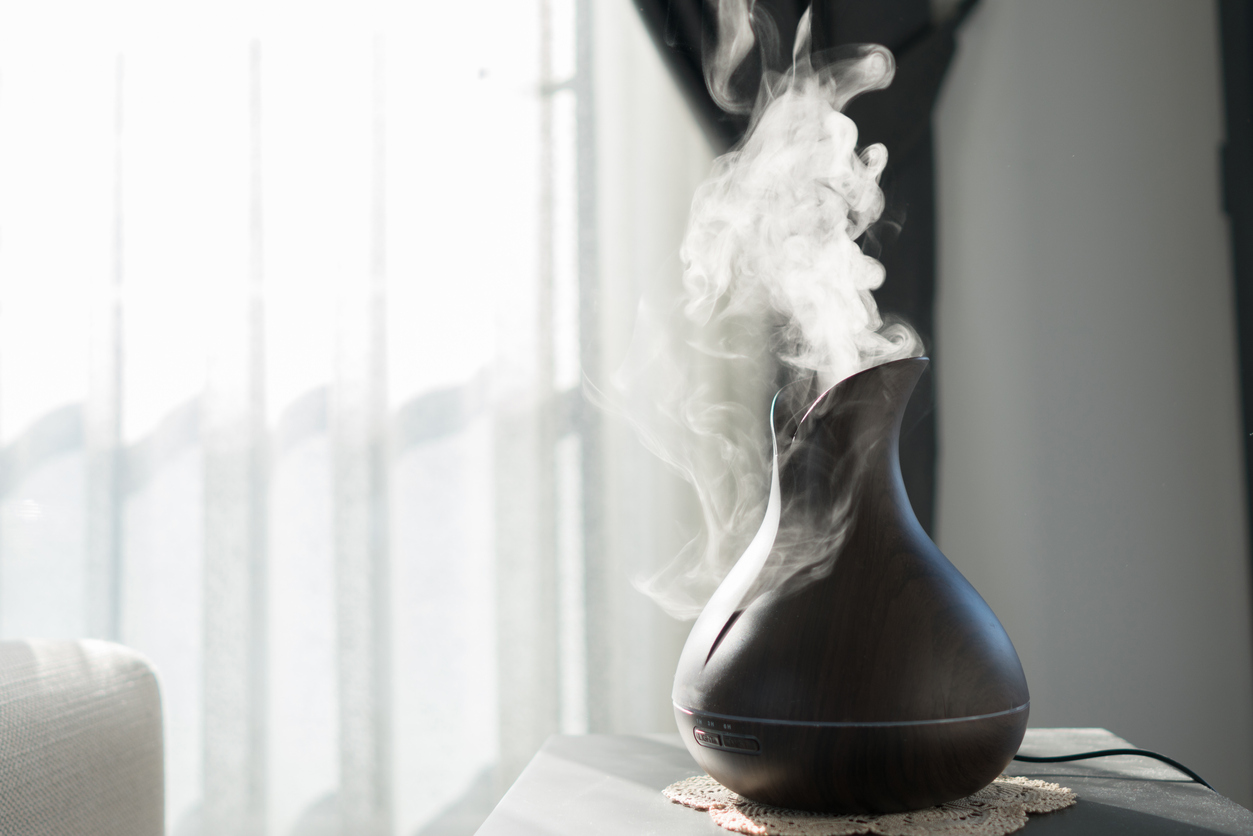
(80, 741)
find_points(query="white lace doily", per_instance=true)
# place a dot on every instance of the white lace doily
(999, 808)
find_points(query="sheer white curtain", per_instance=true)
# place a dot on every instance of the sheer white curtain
(295, 302)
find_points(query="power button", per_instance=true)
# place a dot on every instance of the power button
(705, 738)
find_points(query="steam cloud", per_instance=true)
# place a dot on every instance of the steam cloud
(776, 289)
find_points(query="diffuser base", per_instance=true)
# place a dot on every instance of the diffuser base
(853, 767)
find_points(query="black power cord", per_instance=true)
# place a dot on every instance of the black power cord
(1107, 752)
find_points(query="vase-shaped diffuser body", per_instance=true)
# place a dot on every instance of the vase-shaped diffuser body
(844, 665)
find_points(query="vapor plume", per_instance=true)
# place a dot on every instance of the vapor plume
(776, 289)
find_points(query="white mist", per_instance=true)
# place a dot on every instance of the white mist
(775, 288)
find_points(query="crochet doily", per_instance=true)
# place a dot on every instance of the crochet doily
(999, 808)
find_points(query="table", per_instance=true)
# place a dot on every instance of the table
(610, 785)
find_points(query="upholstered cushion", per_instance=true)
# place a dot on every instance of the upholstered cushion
(80, 741)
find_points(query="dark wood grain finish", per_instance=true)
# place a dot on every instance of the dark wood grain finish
(859, 769)
(856, 617)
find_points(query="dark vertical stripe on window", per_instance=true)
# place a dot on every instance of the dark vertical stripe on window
(596, 589)
(104, 416)
(235, 553)
(359, 444)
(258, 449)
(380, 529)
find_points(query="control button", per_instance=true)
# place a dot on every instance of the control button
(705, 738)
(746, 743)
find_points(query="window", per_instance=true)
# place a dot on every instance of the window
(296, 307)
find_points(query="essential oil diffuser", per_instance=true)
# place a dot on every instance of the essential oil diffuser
(844, 665)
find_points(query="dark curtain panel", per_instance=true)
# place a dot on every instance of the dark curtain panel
(899, 117)
(1236, 21)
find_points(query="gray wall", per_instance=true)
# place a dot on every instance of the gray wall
(1090, 480)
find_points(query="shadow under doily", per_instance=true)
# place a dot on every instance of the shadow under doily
(999, 808)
